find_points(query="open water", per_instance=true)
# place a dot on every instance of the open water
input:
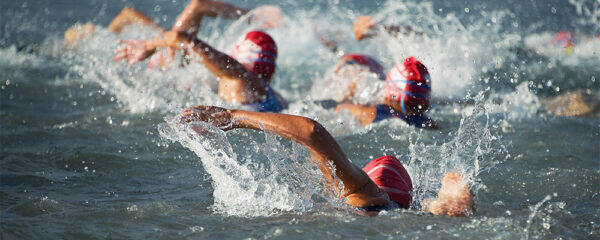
(86, 151)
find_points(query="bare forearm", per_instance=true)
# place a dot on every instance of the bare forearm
(324, 149)
(218, 63)
(164, 40)
(190, 18)
(292, 127)
(366, 27)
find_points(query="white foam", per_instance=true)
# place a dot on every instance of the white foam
(473, 149)
(254, 185)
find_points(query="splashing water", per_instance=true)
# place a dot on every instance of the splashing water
(455, 54)
(283, 181)
(58, 109)
(366, 85)
(534, 211)
(515, 105)
(469, 153)
(588, 13)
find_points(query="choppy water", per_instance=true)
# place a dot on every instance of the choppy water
(86, 151)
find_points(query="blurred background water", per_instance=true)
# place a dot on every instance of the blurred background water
(86, 152)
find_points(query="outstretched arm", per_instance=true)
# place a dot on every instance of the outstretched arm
(365, 27)
(218, 63)
(358, 188)
(190, 18)
(237, 84)
(187, 23)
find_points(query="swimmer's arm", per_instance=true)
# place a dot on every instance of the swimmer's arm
(308, 133)
(365, 114)
(221, 64)
(218, 63)
(190, 18)
(365, 27)
(359, 188)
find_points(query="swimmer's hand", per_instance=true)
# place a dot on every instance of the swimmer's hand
(216, 116)
(454, 197)
(267, 16)
(132, 51)
(363, 27)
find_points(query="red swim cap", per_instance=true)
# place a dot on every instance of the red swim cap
(366, 61)
(257, 51)
(389, 175)
(409, 83)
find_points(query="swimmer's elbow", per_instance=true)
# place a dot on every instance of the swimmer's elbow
(310, 130)
(319, 135)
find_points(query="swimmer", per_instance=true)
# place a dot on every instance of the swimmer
(383, 184)
(407, 92)
(244, 76)
(188, 20)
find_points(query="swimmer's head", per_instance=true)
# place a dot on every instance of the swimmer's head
(390, 176)
(257, 51)
(362, 60)
(407, 87)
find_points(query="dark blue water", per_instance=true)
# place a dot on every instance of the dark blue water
(86, 154)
